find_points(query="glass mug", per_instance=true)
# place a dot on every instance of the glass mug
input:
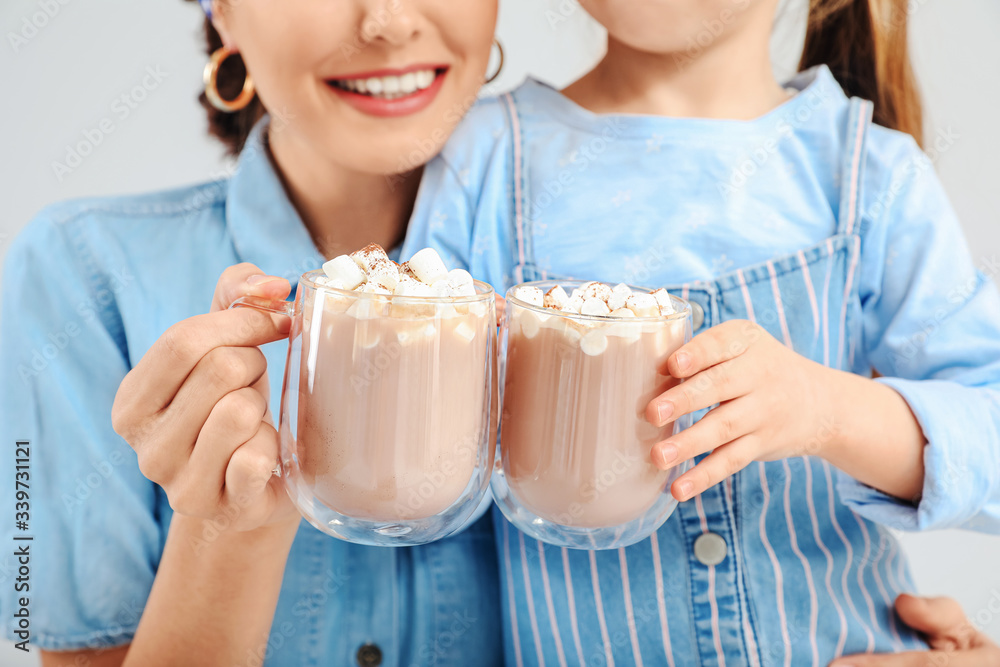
(385, 429)
(574, 466)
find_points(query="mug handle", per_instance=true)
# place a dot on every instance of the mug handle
(266, 305)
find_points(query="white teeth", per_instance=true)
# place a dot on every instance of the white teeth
(408, 83)
(425, 78)
(390, 87)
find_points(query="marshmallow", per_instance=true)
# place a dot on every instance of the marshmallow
(662, 297)
(460, 282)
(595, 306)
(530, 294)
(410, 287)
(622, 313)
(573, 332)
(384, 273)
(574, 305)
(555, 298)
(344, 273)
(367, 256)
(374, 288)
(459, 277)
(529, 323)
(479, 308)
(643, 305)
(443, 288)
(619, 295)
(465, 331)
(595, 290)
(410, 336)
(405, 270)
(594, 343)
(427, 266)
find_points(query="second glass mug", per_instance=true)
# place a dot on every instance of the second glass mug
(385, 429)
(574, 466)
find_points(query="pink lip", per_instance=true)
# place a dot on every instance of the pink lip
(401, 106)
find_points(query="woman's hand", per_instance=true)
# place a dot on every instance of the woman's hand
(195, 409)
(953, 640)
(774, 404)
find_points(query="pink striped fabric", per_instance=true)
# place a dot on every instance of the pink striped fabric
(629, 609)
(813, 608)
(810, 292)
(786, 336)
(866, 561)
(599, 608)
(548, 603)
(661, 602)
(713, 602)
(539, 650)
(849, 550)
(571, 601)
(515, 122)
(511, 600)
(828, 579)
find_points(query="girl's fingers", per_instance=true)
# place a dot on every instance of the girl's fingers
(155, 380)
(979, 657)
(235, 420)
(724, 382)
(220, 373)
(247, 280)
(724, 424)
(721, 464)
(248, 490)
(714, 346)
(942, 619)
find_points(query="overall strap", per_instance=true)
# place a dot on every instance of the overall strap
(521, 232)
(853, 166)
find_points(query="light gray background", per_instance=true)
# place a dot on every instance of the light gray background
(66, 78)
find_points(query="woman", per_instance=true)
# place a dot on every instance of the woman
(363, 94)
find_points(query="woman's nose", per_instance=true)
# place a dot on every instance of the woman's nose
(393, 22)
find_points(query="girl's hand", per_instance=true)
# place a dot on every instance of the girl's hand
(195, 409)
(954, 641)
(772, 404)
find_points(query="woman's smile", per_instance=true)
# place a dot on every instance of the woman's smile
(391, 92)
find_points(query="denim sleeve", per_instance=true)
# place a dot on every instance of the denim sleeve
(931, 317)
(93, 516)
(466, 198)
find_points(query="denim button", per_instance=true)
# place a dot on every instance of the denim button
(710, 549)
(697, 315)
(369, 655)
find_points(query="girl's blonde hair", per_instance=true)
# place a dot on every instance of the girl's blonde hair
(864, 43)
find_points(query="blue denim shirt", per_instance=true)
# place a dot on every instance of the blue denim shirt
(835, 236)
(88, 287)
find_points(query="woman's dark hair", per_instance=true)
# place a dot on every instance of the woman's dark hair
(864, 42)
(232, 129)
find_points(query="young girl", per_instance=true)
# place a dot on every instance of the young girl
(234, 577)
(817, 249)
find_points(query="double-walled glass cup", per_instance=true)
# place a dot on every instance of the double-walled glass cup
(574, 466)
(386, 437)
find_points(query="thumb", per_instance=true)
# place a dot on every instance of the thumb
(247, 280)
(914, 659)
(942, 620)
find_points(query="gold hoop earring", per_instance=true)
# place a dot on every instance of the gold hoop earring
(211, 76)
(496, 74)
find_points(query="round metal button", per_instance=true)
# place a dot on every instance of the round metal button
(710, 549)
(697, 315)
(369, 655)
